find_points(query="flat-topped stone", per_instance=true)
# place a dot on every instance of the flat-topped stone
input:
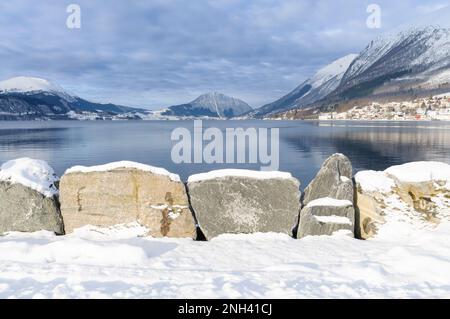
(124, 192)
(242, 201)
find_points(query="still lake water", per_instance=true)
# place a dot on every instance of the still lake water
(303, 145)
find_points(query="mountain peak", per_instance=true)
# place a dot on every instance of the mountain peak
(323, 82)
(211, 104)
(212, 94)
(24, 84)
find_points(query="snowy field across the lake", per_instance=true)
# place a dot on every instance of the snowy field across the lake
(119, 263)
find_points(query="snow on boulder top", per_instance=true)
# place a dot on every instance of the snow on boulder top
(417, 172)
(239, 173)
(373, 181)
(35, 174)
(23, 84)
(123, 164)
(334, 219)
(327, 201)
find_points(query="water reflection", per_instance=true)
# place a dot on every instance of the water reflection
(303, 145)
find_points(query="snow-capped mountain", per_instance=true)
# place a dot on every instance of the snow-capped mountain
(409, 61)
(23, 84)
(210, 105)
(27, 98)
(398, 63)
(325, 81)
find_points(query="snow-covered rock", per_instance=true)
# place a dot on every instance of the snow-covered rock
(125, 192)
(325, 216)
(28, 197)
(333, 180)
(327, 201)
(421, 172)
(124, 164)
(234, 201)
(35, 174)
(330, 193)
(239, 173)
(418, 192)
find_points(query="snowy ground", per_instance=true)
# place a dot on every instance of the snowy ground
(119, 263)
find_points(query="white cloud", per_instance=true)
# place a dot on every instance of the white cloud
(159, 52)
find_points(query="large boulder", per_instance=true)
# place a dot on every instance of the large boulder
(417, 193)
(331, 195)
(124, 192)
(325, 216)
(241, 201)
(334, 180)
(29, 197)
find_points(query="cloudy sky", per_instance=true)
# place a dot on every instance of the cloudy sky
(157, 53)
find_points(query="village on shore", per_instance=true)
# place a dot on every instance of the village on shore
(435, 108)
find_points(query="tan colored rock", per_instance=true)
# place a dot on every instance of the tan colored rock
(125, 192)
(369, 216)
(423, 186)
(419, 196)
(417, 192)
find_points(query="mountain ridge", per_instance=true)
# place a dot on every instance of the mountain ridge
(324, 81)
(30, 98)
(412, 63)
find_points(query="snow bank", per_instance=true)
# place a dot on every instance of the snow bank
(239, 173)
(417, 172)
(118, 263)
(35, 174)
(374, 182)
(327, 201)
(123, 164)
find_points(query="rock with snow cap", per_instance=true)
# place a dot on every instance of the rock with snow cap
(124, 192)
(330, 193)
(333, 180)
(417, 190)
(242, 201)
(29, 197)
(325, 216)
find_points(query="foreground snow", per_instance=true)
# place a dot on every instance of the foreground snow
(95, 263)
